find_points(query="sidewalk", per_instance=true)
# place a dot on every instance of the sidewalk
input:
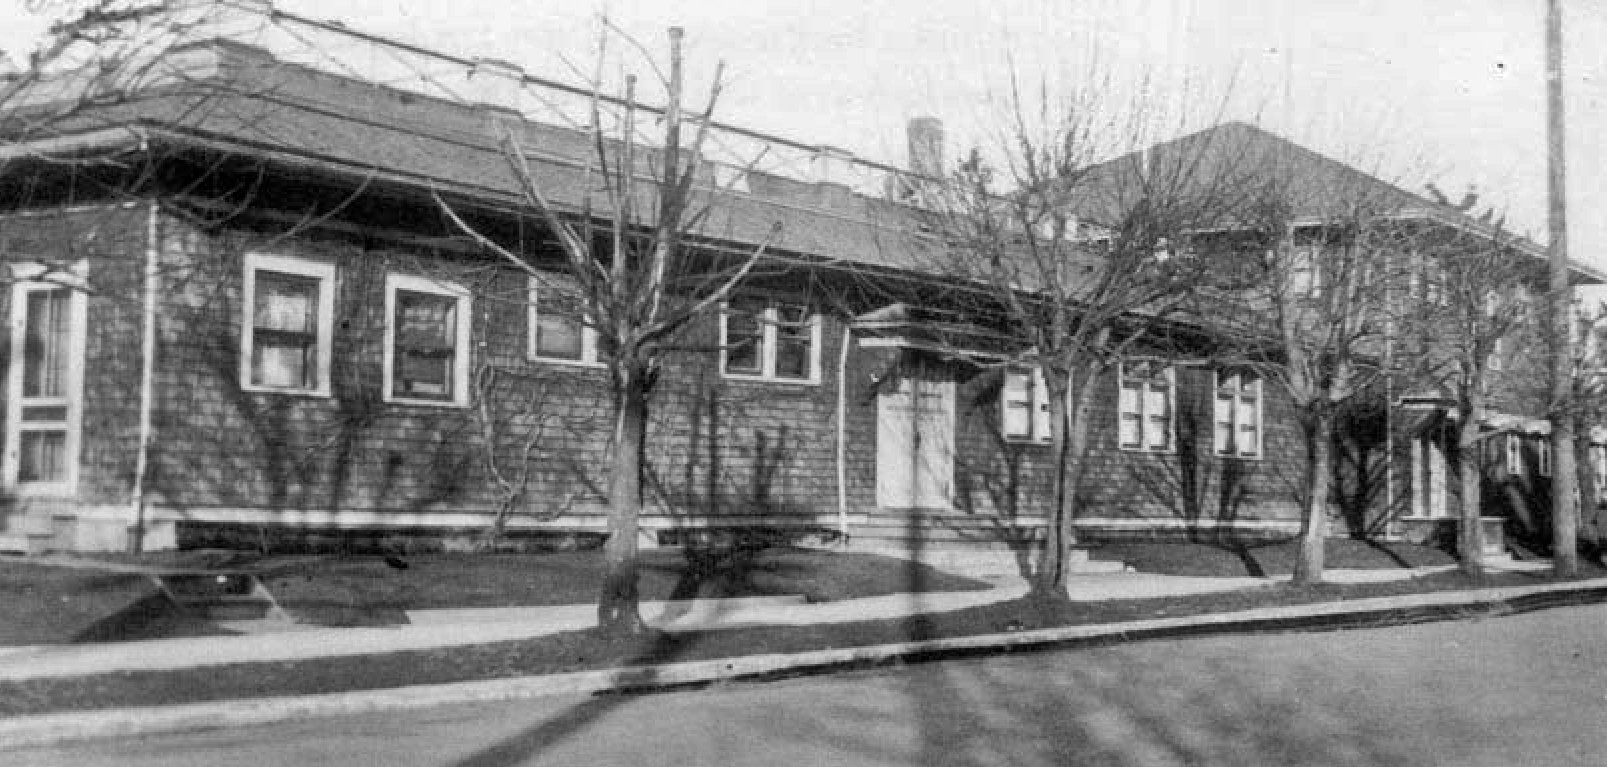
(450, 628)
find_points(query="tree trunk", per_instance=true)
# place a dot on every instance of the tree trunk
(1314, 519)
(618, 613)
(1069, 445)
(1470, 536)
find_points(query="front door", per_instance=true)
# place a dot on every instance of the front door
(44, 386)
(915, 444)
(1428, 476)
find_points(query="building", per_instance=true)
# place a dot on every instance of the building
(240, 316)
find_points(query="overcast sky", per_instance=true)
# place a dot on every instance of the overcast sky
(1413, 90)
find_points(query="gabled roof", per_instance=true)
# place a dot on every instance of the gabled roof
(1246, 158)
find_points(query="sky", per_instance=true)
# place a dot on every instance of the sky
(1449, 91)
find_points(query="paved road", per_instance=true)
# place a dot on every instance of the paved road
(1518, 690)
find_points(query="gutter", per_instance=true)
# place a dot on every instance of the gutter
(136, 538)
(842, 430)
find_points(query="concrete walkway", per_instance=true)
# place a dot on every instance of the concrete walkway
(450, 628)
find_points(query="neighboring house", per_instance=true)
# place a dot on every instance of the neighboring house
(1394, 474)
(239, 317)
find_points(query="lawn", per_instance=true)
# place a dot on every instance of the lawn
(1224, 560)
(53, 605)
(580, 650)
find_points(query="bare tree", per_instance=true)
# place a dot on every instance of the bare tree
(1079, 257)
(632, 263)
(1476, 293)
(1319, 267)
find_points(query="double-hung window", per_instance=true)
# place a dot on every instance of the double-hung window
(1147, 393)
(426, 341)
(1237, 414)
(1024, 400)
(769, 340)
(559, 331)
(288, 323)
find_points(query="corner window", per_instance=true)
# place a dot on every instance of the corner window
(285, 333)
(426, 341)
(1024, 403)
(558, 329)
(1145, 406)
(1237, 414)
(769, 340)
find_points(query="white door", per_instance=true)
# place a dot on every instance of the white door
(915, 444)
(43, 409)
(1428, 477)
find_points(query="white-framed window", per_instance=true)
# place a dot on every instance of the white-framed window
(1514, 455)
(44, 405)
(1598, 466)
(559, 331)
(1236, 414)
(1147, 393)
(1497, 359)
(287, 324)
(1305, 271)
(1542, 455)
(1024, 406)
(769, 340)
(426, 341)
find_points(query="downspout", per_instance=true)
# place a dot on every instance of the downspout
(147, 377)
(842, 430)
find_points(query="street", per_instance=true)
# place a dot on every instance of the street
(1528, 689)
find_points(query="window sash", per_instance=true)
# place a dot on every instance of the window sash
(425, 327)
(558, 328)
(288, 325)
(1236, 414)
(1144, 403)
(1024, 402)
(44, 368)
(769, 340)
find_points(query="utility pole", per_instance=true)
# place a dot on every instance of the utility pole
(1564, 480)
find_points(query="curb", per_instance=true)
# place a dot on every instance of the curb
(59, 727)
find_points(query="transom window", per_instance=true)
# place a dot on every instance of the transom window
(288, 324)
(1024, 402)
(426, 341)
(1147, 393)
(558, 330)
(1237, 414)
(770, 340)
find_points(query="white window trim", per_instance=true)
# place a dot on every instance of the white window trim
(27, 275)
(1039, 427)
(1598, 464)
(1260, 410)
(462, 345)
(1171, 414)
(588, 333)
(1514, 455)
(767, 350)
(324, 273)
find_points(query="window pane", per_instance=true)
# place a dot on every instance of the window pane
(283, 360)
(1129, 435)
(425, 321)
(426, 329)
(558, 337)
(743, 341)
(44, 367)
(792, 358)
(285, 302)
(1249, 440)
(43, 456)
